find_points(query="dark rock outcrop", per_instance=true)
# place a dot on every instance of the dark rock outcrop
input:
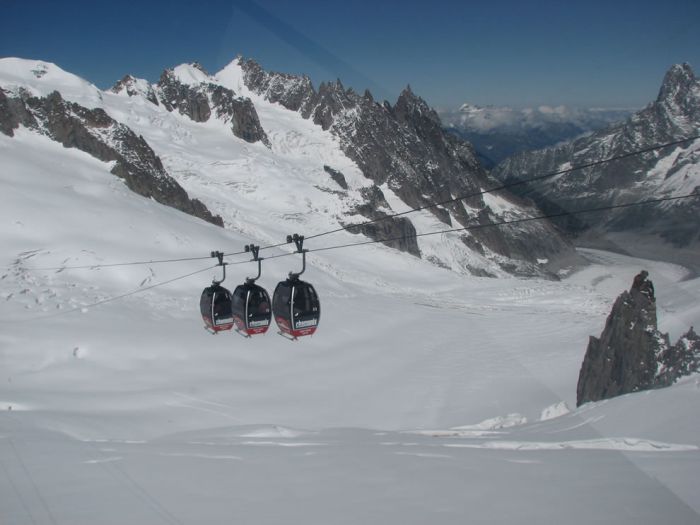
(290, 91)
(680, 360)
(240, 111)
(337, 176)
(13, 112)
(96, 133)
(631, 354)
(185, 99)
(397, 232)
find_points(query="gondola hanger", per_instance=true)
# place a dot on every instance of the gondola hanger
(215, 302)
(252, 310)
(255, 250)
(220, 257)
(299, 242)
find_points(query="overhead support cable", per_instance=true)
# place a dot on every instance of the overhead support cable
(114, 298)
(499, 223)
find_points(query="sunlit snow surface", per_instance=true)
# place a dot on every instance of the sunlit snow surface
(424, 396)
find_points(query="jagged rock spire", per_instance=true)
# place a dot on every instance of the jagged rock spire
(679, 79)
(631, 354)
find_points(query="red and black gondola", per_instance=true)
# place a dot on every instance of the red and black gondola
(295, 303)
(215, 303)
(215, 306)
(296, 307)
(252, 311)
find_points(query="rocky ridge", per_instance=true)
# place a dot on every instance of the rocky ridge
(674, 115)
(198, 99)
(96, 133)
(403, 148)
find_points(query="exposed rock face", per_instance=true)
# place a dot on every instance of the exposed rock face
(13, 112)
(399, 231)
(674, 171)
(245, 122)
(404, 148)
(290, 91)
(631, 354)
(681, 359)
(337, 176)
(191, 101)
(96, 133)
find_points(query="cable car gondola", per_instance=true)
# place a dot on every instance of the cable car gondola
(251, 303)
(215, 303)
(295, 303)
(296, 307)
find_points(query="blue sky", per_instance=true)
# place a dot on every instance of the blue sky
(594, 53)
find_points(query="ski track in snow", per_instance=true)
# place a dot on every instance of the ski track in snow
(621, 444)
(103, 460)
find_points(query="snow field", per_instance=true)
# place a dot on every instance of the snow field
(424, 395)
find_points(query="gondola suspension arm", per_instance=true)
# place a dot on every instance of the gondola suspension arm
(220, 257)
(299, 242)
(252, 248)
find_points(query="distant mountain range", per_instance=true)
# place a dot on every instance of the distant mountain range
(669, 172)
(498, 132)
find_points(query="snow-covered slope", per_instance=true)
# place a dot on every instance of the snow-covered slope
(43, 78)
(110, 412)
(425, 394)
(254, 162)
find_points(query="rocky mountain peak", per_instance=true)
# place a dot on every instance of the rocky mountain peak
(408, 98)
(126, 80)
(631, 354)
(679, 76)
(200, 67)
(291, 91)
(411, 107)
(680, 89)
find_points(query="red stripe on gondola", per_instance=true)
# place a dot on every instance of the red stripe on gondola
(303, 331)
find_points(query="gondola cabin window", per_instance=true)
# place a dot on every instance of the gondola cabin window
(222, 308)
